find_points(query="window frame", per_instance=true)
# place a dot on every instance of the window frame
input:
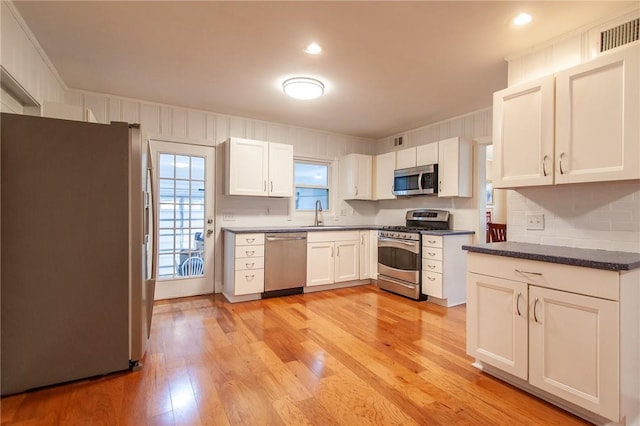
(330, 165)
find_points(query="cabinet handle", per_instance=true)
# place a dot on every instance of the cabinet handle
(431, 241)
(337, 251)
(561, 157)
(430, 254)
(431, 266)
(250, 252)
(264, 185)
(271, 186)
(249, 277)
(535, 317)
(249, 240)
(518, 304)
(331, 251)
(440, 184)
(544, 165)
(250, 265)
(356, 191)
(431, 278)
(528, 272)
(362, 239)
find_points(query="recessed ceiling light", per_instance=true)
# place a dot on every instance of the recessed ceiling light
(522, 19)
(303, 88)
(313, 49)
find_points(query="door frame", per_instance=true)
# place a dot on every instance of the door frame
(148, 137)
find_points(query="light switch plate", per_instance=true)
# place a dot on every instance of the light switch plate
(535, 222)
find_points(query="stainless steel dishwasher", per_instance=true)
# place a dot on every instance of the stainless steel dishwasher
(285, 268)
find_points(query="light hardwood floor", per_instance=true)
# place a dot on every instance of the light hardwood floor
(354, 356)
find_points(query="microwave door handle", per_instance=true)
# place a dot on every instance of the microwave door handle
(420, 181)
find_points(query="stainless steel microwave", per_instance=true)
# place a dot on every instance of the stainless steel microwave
(416, 180)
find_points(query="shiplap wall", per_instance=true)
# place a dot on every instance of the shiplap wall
(21, 57)
(591, 215)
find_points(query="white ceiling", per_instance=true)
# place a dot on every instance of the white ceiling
(388, 66)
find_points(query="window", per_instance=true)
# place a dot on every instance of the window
(312, 184)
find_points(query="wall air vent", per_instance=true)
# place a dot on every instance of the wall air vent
(397, 141)
(620, 35)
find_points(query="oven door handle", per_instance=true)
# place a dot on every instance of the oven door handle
(397, 282)
(413, 246)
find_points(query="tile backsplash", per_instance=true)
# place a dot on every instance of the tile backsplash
(602, 215)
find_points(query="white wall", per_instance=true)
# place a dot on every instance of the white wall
(591, 215)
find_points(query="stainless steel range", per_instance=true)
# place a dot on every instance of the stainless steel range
(400, 251)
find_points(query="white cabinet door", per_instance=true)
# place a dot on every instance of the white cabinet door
(355, 176)
(523, 134)
(427, 154)
(347, 261)
(366, 265)
(320, 263)
(384, 168)
(280, 170)
(455, 168)
(574, 349)
(406, 158)
(598, 119)
(497, 323)
(247, 165)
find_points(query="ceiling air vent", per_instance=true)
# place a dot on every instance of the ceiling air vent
(620, 35)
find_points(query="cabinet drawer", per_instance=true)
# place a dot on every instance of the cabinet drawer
(249, 251)
(327, 236)
(246, 263)
(432, 241)
(249, 282)
(249, 239)
(575, 279)
(432, 284)
(432, 253)
(429, 265)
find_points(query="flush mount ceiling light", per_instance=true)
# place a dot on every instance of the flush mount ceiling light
(313, 49)
(303, 88)
(522, 19)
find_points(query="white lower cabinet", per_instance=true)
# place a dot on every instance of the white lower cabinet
(243, 266)
(560, 330)
(443, 260)
(332, 257)
(368, 255)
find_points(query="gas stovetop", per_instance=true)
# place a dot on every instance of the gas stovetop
(417, 221)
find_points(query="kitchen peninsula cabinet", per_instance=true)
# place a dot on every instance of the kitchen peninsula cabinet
(332, 257)
(566, 333)
(243, 266)
(258, 168)
(583, 125)
(355, 176)
(455, 167)
(384, 166)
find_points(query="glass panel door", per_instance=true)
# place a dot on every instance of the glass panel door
(184, 176)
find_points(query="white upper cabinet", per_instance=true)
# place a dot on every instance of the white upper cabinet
(406, 158)
(280, 170)
(259, 168)
(523, 134)
(583, 125)
(384, 165)
(455, 167)
(355, 176)
(427, 154)
(598, 119)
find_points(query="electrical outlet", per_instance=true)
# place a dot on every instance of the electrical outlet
(535, 222)
(228, 217)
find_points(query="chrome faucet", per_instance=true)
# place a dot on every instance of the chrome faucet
(317, 222)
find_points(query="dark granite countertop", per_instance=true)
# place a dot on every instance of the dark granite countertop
(272, 229)
(590, 258)
(249, 230)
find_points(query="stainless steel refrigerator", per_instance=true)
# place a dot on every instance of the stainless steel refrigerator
(76, 282)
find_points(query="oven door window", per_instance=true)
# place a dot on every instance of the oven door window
(396, 258)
